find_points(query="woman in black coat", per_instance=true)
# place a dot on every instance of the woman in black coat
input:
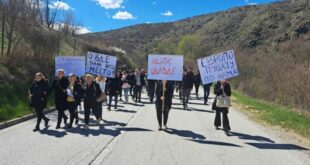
(113, 87)
(161, 96)
(75, 94)
(60, 85)
(92, 92)
(221, 88)
(38, 93)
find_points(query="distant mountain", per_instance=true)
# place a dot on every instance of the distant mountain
(245, 27)
(271, 42)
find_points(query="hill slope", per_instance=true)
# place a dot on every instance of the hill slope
(272, 43)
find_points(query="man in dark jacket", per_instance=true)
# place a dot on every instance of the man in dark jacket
(113, 87)
(166, 96)
(151, 89)
(187, 86)
(60, 85)
(197, 81)
(138, 84)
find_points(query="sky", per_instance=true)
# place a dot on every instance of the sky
(104, 15)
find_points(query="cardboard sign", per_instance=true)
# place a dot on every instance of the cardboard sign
(70, 64)
(218, 67)
(165, 67)
(101, 64)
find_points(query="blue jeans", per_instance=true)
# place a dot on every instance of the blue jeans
(126, 94)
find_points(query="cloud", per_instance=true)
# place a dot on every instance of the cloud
(167, 14)
(77, 29)
(82, 30)
(123, 15)
(60, 5)
(111, 4)
(154, 3)
(250, 3)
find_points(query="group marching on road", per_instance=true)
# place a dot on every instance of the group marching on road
(95, 93)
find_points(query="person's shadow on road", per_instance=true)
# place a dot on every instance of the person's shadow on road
(185, 133)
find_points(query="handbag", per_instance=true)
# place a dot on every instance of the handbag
(223, 101)
(102, 98)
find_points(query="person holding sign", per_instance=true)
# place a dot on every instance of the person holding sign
(75, 94)
(221, 89)
(91, 94)
(38, 94)
(164, 94)
(60, 85)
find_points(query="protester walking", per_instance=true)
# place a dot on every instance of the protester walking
(112, 90)
(151, 89)
(120, 92)
(38, 93)
(91, 94)
(222, 89)
(138, 84)
(187, 86)
(197, 82)
(206, 91)
(74, 95)
(60, 85)
(101, 80)
(164, 93)
(125, 86)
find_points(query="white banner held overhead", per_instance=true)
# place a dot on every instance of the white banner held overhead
(165, 67)
(218, 67)
(101, 64)
(70, 64)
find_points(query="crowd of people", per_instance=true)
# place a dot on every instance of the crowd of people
(97, 92)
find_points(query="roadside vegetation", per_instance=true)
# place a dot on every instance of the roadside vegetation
(275, 115)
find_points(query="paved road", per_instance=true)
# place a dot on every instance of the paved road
(129, 136)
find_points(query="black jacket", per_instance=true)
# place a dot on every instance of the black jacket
(218, 92)
(197, 79)
(188, 81)
(39, 92)
(91, 93)
(60, 87)
(168, 95)
(113, 86)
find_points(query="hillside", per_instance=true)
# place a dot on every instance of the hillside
(272, 43)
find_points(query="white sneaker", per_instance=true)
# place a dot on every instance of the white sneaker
(165, 127)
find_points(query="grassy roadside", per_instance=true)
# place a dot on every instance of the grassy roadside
(274, 114)
(14, 102)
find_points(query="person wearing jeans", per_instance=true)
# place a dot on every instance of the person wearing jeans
(125, 86)
(138, 84)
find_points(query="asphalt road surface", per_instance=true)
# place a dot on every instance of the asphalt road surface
(129, 136)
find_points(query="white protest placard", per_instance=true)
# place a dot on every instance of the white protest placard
(101, 64)
(70, 64)
(218, 67)
(165, 67)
